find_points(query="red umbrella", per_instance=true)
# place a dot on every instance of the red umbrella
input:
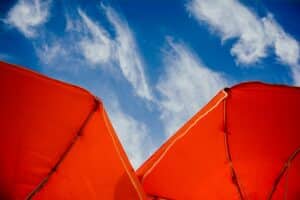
(244, 144)
(56, 142)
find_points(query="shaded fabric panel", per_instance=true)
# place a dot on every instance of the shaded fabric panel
(289, 188)
(264, 130)
(142, 170)
(193, 164)
(39, 116)
(95, 167)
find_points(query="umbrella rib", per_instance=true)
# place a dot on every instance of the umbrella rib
(65, 153)
(284, 170)
(228, 154)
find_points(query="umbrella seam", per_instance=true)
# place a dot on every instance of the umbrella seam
(65, 153)
(183, 134)
(228, 155)
(111, 133)
(283, 170)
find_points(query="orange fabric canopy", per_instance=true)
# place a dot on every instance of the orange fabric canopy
(56, 142)
(244, 144)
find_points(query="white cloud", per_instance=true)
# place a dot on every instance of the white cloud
(99, 48)
(230, 19)
(59, 54)
(286, 47)
(133, 134)
(73, 24)
(87, 38)
(27, 16)
(255, 35)
(128, 55)
(186, 86)
(47, 53)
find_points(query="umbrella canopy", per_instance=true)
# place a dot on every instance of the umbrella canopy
(56, 142)
(244, 144)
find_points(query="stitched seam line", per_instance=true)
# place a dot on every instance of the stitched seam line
(283, 170)
(182, 135)
(228, 155)
(64, 154)
(111, 134)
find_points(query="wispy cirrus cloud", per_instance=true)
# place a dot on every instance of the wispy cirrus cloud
(128, 55)
(48, 52)
(98, 47)
(134, 135)
(254, 35)
(186, 85)
(27, 16)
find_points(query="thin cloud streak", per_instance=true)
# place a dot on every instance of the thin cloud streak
(48, 53)
(128, 55)
(134, 135)
(98, 47)
(186, 85)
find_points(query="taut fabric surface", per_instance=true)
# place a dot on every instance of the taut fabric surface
(243, 145)
(56, 142)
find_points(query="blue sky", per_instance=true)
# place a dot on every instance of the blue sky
(153, 63)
